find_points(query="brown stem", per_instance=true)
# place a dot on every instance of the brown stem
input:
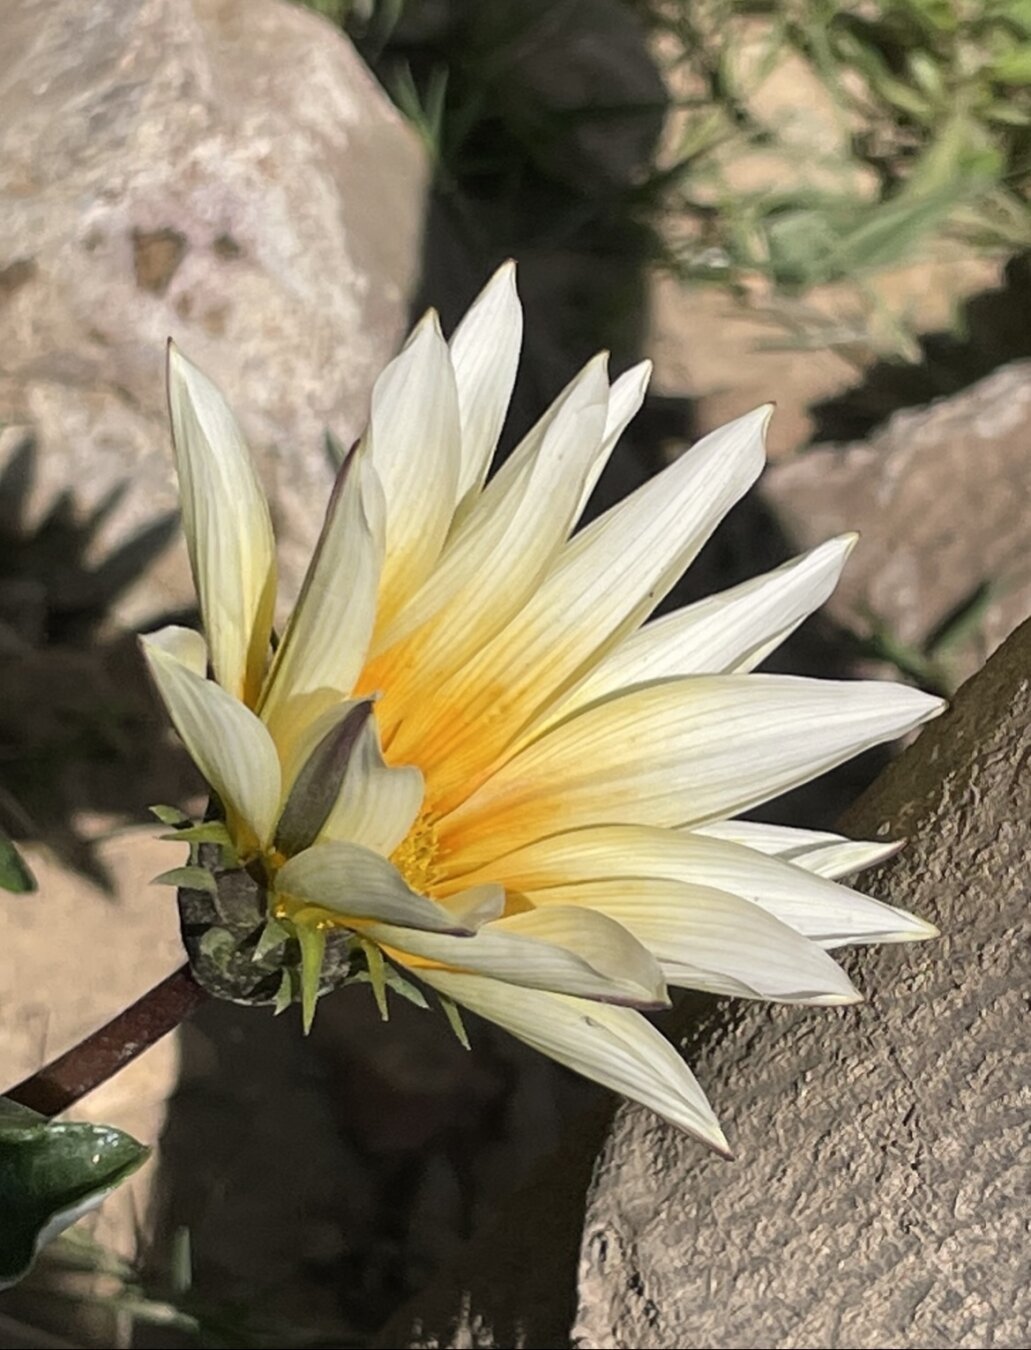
(94, 1060)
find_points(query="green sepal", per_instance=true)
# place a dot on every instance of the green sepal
(207, 832)
(237, 950)
(393, 979)
(374, 965)
(455, 1022)
(169, 815)
(273, 935)
(50, 1175)
(286, 994)
(312, 942)
(192, 877)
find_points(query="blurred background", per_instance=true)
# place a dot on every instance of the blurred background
(817, 204)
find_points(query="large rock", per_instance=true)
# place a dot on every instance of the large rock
(222, 171)
(876, 1197)
(941, 497)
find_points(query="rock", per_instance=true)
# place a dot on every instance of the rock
(941, 497)
(876, 1197)
(223, 172)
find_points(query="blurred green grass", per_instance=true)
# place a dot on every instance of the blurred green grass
(926, 105)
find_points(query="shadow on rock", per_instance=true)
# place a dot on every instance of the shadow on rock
(992, 330)
(80, 731)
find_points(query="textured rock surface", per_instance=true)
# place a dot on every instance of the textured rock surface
(879, 1192)
(222, 171)
(877, 1197)
(941, 498)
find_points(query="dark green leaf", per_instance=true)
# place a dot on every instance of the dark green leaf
(51, 1173)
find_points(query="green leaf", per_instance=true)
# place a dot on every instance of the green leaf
(50, 1175)
(14, 874)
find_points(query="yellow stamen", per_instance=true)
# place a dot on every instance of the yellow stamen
(416, 855)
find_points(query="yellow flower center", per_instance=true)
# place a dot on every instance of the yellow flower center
(416, 855)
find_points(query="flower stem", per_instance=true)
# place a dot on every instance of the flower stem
(60, 1084)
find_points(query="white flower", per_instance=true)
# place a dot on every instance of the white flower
(471, 750)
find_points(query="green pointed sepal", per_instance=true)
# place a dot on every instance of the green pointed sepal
(52, 1173)
(237, 950)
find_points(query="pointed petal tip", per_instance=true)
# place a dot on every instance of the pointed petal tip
(638, 376)
(429, 323)
(840, 1000)
(838, 546)
(932, 706)
(916, 929)
(717, 1141)
(644, 1003)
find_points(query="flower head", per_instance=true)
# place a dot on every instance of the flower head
(470, 752)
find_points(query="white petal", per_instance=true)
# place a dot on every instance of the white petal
(227, 527)
(679, 753)
(360, 885)
(474, 906)
(709, 939)
(185, 644)
(378, 804)
(499, 554)
(825, 913)
(612, 1046)
(583, 954)
(323, 649)
(608, 578)
(625, 401)
(485, 354)
(828, 855)
(607, 945)
(415, 444)
(226, 741)
(727, 634)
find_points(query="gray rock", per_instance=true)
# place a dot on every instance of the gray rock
(224, 172)
(941, 498)
(879, 1192)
